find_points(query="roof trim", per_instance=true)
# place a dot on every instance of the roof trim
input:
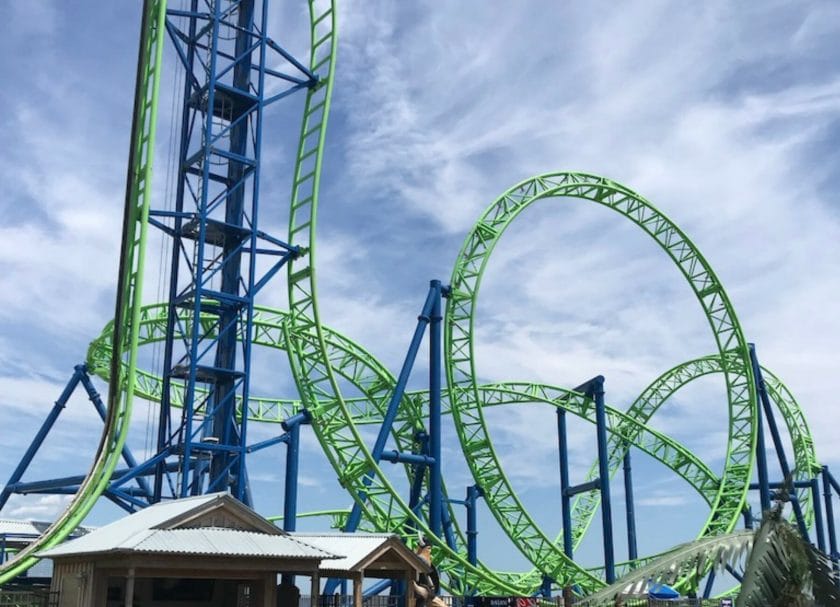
(387, 542)
(222, 501)
(396, 544)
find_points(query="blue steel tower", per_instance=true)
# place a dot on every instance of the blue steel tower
(215, 274)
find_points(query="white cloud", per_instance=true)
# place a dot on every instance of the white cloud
(668, 501)
(715, 112)
(37, 507)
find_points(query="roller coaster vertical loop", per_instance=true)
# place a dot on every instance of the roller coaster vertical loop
(322, 360)
(461, 371)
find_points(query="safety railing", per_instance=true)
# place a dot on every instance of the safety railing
(27, 598)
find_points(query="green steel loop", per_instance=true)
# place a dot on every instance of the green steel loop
(311, 365)
(320, 358)
(663, 387)
(660, 390)
(130, 290)
(312, 369)
(365, 373)
(461, 374)
(349, 360)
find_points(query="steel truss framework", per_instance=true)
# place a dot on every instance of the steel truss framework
(210, 323)
(361, 370)
(229, 61)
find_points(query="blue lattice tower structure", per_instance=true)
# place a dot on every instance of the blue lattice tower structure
(214, 276)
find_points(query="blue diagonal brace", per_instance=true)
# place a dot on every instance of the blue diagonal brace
(45, 428)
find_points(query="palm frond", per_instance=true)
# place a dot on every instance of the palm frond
(685, 562)
(785, 570)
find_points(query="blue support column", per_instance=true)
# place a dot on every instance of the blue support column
(448, 531)
(423, 320)
(761, 453)
(473, 493)
(429, 315)
(419, 473)
(748, 517)
(292, 427)
(761, 465)
(604, 475)
(632, 552)
(829, 515)
(565, 497)
(435, 483)
(710, 581)
(225, 467)
(593, 389)
(290, 493)
(545, 586)
(764, 398)
(819, 530)
(398, 592)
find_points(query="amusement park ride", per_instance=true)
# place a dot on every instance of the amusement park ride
(219, 261)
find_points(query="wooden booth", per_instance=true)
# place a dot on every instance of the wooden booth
(366, 556)
(207, 551)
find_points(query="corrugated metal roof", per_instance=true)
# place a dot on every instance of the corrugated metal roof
(141, 532)
(8, 526)
(227, 542)
(355, 547)
(123, 533)
(35, 528)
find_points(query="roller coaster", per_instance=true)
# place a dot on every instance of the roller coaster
(211, 321)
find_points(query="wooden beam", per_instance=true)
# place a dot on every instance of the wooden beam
(357, 590)
(409, 588)
(129, 588)
(316, 589)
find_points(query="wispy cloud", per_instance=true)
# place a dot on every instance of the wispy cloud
(659, 501)
(38, 507)
(724, 115)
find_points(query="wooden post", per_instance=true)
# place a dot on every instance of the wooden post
(316, 590)
(357, 590)
(269, 593)
(568, 597)
(99, 589)
(129, 588)
(409, 587)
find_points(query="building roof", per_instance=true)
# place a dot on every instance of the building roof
(31, 528)
(203, 541)
(191, 526)
(229, 542)
(17, 534)
(9, 527)
(360, 550)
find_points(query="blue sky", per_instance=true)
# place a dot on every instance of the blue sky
(725, 115)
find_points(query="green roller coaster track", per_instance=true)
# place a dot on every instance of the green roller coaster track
(322, 360)
(129, 290)
(361, 370)
(352, 363)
